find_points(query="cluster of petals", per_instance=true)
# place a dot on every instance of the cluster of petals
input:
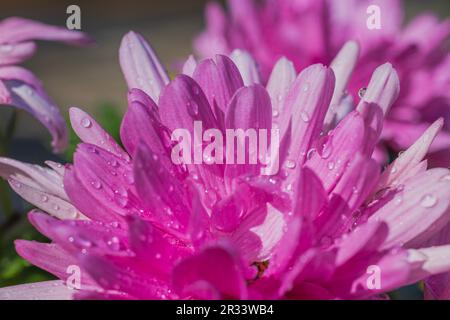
(140, 227)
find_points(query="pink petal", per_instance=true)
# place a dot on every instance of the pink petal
(45, 201)
(250, 108)
(247, 67)
(140, 66)
(402, 168)
(89, 131)
(280, 81)
(82, 236)
(219, 79)
(161, 194)
(13, 30)
(383, 88)
(32, 99)
(51, 258)
(46, 290)
(217, 266)
(343, 65)
(189, 66)
(419, 210)
(88, 199)
(16, 53)
(305, 108)
(39, 178)
(330, 158)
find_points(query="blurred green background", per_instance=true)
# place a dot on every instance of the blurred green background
(90, 78)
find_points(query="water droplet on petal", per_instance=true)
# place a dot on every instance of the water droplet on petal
(305, 87)
(330, 165)
(86, 123)
(362, 92)
(290, 164)
(446, 178)
(44, 198)
(310, 153)
(96, 184)
(428, 201)
(304, 116)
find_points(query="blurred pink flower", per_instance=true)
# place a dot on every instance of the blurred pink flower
(139, 227)
(308, 32)
(18, 86)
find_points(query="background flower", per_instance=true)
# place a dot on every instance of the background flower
(309, 32)
(18, 86)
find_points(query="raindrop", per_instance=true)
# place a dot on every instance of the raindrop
(71, 239)
(121, 201)
(305, 87)
(362, 92)
(44, 198)
(290, 164)
(446, 178)
(275, 113)
(304, 116)
(96, 184)
(310, 153)
(86, 123)
(428, 201)
(330, 165)
(326, 151)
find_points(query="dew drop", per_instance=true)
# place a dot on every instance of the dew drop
(362, 92)
(86, 123)
(275, 113)
(290, 164)
(428, 201)
(310, 153)
(446, 178)
(330, 165)
(305, 87)
(96, 184)
(44, 198)
(304, 116)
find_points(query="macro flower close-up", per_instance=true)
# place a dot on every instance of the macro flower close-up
(300, 153)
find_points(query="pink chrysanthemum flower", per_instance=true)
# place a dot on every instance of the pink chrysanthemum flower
(310, 31)
(137, 226)
(18, 86)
